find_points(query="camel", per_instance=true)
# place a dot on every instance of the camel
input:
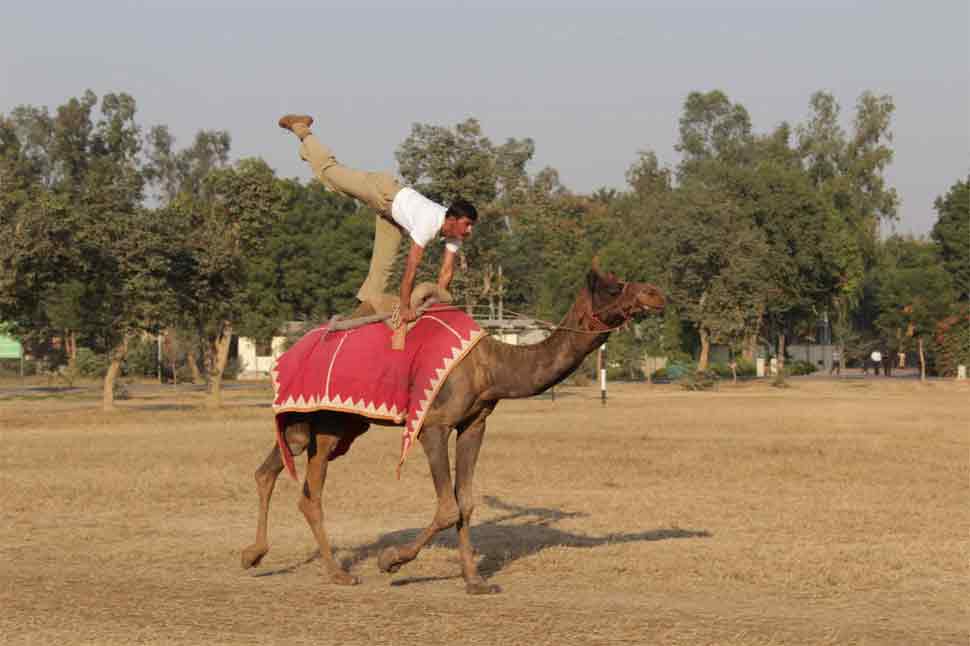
(491, 371)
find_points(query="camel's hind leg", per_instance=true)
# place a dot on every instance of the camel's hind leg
(435, 443)
(297, 437)
(311, 502)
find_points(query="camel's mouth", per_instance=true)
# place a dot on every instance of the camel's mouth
(650, 299)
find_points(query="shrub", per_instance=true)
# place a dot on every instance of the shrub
(142, 359)
(699, 380)
(722, 370)
(746, 368)
(232, 370)
(799, 367)
(91, 364)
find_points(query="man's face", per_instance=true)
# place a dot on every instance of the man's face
(460, 228)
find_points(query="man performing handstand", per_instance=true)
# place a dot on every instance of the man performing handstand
(398, 209)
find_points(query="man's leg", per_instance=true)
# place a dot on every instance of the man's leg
(377, 190)
(387, 239)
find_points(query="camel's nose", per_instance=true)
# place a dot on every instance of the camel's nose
(651, 298)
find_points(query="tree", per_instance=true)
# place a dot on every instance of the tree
(951, 233)
(83, 251)
(713, 258)
(915, 293)
(712, 129)
(316, 257)
(848, 171)
(218, 231)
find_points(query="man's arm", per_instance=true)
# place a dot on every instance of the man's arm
(447, 269)
(407, 281)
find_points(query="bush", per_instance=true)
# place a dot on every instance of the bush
(722, 370)
(675, 369)
(142, 359)
(624, 373)
(232, 370)
(746, 368)
(120, 390)
(699, 380)
(799, 367)
(91, 364)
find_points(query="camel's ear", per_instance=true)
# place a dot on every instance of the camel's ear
(592, 281)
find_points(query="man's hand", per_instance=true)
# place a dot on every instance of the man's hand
(407, 315)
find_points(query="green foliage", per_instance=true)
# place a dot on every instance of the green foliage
(799, 367)
(952, 343)
(676, 368)
(315, 259)
(913, 292)
(951, 233)
(742, 368)
(84, 260)
(91, 364)
(697, 380)
(142, 358)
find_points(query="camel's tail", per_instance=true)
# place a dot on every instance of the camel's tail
(285, 452)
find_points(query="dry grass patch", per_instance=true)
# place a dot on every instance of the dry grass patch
(830, 512)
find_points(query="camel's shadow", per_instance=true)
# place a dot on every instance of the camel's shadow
(518, 533)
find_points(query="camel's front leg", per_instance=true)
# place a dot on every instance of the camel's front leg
(466, 457)
(435, 443)
(297, 436)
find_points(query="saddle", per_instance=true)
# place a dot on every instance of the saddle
(387, 308)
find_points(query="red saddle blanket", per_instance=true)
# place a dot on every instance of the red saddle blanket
(356, 371)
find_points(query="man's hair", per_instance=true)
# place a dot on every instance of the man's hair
(462, 209)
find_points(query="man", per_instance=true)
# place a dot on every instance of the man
(836, 368)
(399, 209)
(876, 358)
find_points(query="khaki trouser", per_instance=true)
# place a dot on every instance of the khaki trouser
(376, 190)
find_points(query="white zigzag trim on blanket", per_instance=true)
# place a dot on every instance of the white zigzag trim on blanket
(435, 385)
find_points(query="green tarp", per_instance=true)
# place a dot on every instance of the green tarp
(10, 348)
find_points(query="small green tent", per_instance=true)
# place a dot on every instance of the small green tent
(10, 347)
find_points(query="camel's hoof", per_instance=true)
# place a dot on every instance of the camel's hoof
(343, 578)
(480, 587)
(253, 554)
(389, 560)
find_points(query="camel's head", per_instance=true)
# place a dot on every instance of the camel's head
(613, 301)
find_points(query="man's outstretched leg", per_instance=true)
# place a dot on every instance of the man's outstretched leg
(376, 190)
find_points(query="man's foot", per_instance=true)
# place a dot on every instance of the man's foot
(298, 124)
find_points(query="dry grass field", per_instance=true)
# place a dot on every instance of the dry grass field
(827, 513)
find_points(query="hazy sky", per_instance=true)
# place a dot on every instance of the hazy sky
(591, 83)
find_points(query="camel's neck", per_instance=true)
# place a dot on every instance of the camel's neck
(526, 370)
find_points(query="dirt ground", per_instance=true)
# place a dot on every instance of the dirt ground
(832, 512)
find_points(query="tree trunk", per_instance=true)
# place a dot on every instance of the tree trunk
(749, 349)
(193, 367)
(70, 347)
(705, 349)
(217, 365)
(781, 352)
(922, 360)
(116, 358)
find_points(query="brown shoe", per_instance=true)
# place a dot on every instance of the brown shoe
(287, 121)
